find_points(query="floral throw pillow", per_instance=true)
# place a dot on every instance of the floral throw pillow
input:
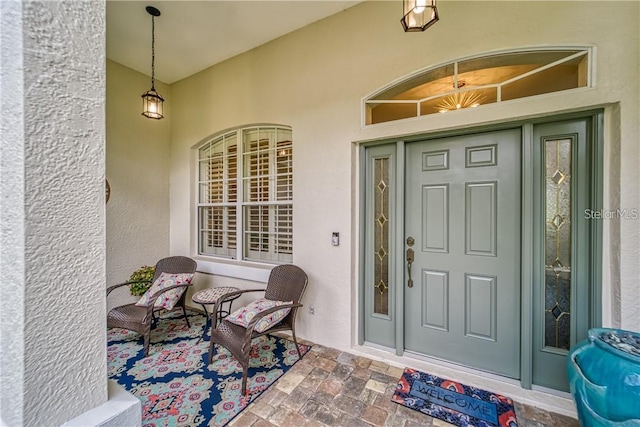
(169, 299)
(244, 315)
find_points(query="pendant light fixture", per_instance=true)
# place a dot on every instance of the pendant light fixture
(151, 100)
(418, 15)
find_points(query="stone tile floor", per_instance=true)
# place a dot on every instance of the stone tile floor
(332, 388)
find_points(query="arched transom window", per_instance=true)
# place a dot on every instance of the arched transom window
(477, 81)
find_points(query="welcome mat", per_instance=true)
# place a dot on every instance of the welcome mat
(455, 403)
(176, 383)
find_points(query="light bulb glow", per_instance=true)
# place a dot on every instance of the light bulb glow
(459, 100)
(420, 6)
(152, 105)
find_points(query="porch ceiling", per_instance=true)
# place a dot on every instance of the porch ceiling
(194, 35)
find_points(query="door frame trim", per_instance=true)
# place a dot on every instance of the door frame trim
(527, 254)
(399, 246)
(527, 224)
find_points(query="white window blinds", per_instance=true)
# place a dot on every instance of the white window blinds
(254, 220)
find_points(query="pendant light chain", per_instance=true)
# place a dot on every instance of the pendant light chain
(153, 52)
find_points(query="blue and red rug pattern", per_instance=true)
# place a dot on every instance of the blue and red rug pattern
(453, 402)
(176, 384)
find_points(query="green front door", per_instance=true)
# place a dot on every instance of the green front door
(462, 227)
(505, 250)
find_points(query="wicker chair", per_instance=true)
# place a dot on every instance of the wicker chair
(286, 283)
(140, 318)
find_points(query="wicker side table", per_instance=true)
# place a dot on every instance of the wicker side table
(209, 297)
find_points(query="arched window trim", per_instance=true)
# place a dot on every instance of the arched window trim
(584, 50)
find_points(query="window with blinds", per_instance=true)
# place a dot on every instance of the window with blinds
(245, 197)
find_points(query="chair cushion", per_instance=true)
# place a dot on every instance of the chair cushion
(244, 315)
(168, 299)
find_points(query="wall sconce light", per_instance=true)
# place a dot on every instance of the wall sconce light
(418, 15)
(151, 100)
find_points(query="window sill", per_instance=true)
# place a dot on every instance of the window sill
(240, 270)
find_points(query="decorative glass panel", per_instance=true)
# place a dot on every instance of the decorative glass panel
(557, 287)
(381, 236)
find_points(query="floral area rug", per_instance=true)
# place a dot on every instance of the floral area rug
(176, 383)
(453, 402)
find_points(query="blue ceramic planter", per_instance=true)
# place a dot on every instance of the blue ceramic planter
(604, 377)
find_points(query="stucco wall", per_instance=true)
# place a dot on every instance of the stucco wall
(314, 80)
(12, 260)
(137, 170)
(56, 343)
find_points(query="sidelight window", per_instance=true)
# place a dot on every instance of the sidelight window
(557, 247)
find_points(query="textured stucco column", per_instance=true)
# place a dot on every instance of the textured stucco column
(52, 252)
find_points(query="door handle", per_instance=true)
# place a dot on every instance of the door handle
(410, 259)
(409, 262)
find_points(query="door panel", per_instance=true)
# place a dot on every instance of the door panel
(435, 298)
(480, 306)
(480, 218)
(463, 210)
(435, 204)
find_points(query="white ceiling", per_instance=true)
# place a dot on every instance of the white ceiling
(194, 35)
